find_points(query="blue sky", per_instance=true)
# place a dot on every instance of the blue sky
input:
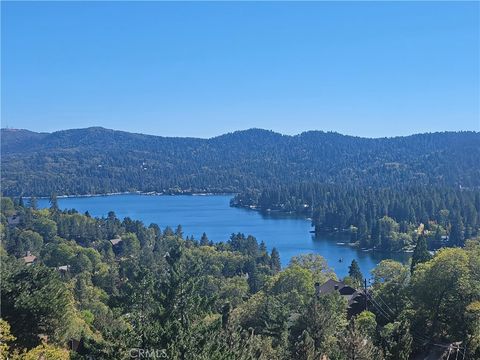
(202, 69)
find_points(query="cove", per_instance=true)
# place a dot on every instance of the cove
(213, 215)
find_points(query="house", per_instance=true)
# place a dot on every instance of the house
(355, 298)
(29, 258)
(13, 220)
(116, 241)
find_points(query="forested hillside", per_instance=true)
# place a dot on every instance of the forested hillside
(387, 219)
(97, 160)
(108, 288)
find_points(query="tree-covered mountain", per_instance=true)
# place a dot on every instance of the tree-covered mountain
(98, 160)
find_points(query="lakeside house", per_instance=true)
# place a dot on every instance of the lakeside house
(355, 298)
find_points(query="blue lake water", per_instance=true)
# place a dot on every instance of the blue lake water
(213, 215)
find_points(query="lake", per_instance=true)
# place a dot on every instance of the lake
(213, 215)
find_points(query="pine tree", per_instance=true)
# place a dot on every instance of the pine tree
(275, 263)
(179, 231)
(456, 237)
(204, 240)
(403, 345)
(357, 346)
(355, 273)
(420, 254)
(305, 347)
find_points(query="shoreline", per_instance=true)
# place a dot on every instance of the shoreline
(251, 208)
(150, 193)
(337, 233)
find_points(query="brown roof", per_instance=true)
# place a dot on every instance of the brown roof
(29, 259)
(115, 241)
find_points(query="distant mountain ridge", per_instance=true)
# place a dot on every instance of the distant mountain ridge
(99, 160)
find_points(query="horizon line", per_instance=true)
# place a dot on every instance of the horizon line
(240, 131)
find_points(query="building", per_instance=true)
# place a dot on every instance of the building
(116, 241)
(356, 300)
(29, 258)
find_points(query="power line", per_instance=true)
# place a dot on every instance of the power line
(420, 339)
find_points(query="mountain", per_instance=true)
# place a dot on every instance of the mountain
(98, 160)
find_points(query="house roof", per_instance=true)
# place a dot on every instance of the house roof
(332, 285)
(115, 241)
(348, 292)
(29, 259)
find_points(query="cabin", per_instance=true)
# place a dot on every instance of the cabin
(29, 258)
(355, 298)
(116, 241)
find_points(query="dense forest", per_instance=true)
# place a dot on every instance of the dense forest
(386, 219)
(97, 160)
(79, 287)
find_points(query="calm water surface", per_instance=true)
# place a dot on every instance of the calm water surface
(212, 214)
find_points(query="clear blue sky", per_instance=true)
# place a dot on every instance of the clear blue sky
(202, 69)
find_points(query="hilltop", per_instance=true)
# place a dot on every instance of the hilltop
(98, 160)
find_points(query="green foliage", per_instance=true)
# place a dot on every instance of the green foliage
(26, 241)
(7, 206)
(421, 253)
(316, 264)
(5, 339)
(155, 290)
(396, 340)
(366, 323)
(34, 302)
(390, 282)
(385, 218)
(321, 323)
(275, 261)
(46, 351)
(355, 273)
(45, 227)
(441, 289)
(97, 160)
(355, 345)
(130, 246)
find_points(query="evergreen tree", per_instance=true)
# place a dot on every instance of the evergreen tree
(305, 347)
(355, 273)
(179, 231)
(456, 237)
(275, 263)
(396, 340)
(357, 346)
(420, 254)
(204, 240)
